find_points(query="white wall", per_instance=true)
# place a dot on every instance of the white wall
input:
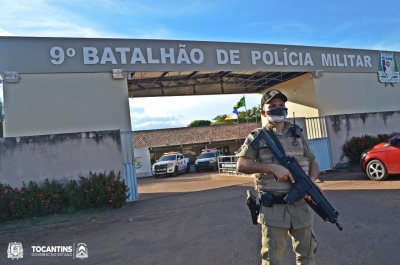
(341, 128)
(344, 93)
(63, 103)
(339, 93)
(142, 162)
(59, 156)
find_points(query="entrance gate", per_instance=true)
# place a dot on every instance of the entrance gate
(115, 69)
(319, 142)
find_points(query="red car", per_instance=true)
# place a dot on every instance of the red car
(382, 160)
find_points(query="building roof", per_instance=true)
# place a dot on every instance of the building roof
(194, 135)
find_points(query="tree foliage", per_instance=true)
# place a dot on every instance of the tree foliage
(199, 123)
(250, 115)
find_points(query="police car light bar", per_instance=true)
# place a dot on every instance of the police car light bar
(209, 149)
(170, 153)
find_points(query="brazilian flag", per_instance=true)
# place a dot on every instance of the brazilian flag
(241, 103)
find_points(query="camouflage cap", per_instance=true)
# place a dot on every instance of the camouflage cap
(268, 96)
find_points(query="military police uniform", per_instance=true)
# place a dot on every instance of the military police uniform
(279, 219)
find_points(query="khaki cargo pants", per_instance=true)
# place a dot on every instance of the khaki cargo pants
(274, 241)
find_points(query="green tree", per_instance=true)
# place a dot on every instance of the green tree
(254, 114)
(220, 119)
(199, 123)
(250, 115)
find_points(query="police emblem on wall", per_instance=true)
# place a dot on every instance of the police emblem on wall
(388, 69)
(15, 251)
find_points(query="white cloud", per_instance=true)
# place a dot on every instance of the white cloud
(169, 112)
(125, 19)
(42, 18)
(4, 33)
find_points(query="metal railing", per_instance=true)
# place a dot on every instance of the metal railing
(227, 164)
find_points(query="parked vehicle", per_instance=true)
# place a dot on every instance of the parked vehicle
(382, 160)
(207, 160)
(171, 163)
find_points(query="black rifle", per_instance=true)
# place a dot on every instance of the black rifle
(302, 184)
(253, 206)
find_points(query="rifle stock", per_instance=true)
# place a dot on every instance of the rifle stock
(302, 185)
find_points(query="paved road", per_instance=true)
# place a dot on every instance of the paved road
(198, 219)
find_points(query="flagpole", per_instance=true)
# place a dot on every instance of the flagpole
(245, 109)
(238, 127)
(241, 103)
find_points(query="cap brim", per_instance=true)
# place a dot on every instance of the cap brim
(279, 95)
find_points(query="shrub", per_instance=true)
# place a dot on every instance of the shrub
(357, 145)
(98, 190)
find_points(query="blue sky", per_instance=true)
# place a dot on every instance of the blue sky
(346, 24)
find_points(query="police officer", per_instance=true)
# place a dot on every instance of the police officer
(273, 182)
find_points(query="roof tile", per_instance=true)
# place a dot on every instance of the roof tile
(193, 135)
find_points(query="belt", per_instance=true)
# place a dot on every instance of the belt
(268, 199)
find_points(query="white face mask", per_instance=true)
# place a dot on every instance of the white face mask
(276, 115)
(276, 118)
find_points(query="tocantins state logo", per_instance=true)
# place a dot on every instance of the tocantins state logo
(81, 251)
(15, 251)
(388, 69)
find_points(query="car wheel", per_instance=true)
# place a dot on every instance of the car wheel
(376, 170)
(175, 172)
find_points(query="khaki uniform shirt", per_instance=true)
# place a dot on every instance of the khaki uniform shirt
(280, 215)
